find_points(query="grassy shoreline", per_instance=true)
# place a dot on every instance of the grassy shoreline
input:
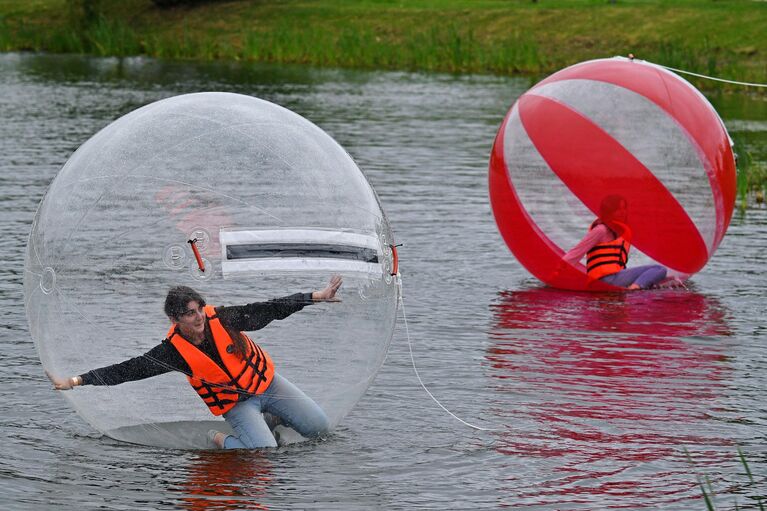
(723, 38)
(717, 37)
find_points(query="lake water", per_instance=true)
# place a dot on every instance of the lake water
(593, 400)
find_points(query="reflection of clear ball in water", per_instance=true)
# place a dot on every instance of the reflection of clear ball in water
(277, 207)
(612, 127)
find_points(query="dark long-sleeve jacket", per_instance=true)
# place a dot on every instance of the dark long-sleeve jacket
(164, 358)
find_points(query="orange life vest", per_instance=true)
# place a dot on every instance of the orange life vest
(607, 258)
(222, 387)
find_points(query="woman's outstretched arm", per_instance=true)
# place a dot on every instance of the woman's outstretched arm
(161, 359)
(597, 235)
(256, 315)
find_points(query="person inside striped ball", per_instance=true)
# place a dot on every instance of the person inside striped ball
(606, 247)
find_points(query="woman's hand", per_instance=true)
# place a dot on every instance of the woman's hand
(329, 293)
(64, 383)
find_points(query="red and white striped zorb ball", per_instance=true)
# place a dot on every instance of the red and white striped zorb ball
(612, 127)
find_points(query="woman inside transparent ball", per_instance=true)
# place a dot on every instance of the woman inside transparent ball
(232, 374)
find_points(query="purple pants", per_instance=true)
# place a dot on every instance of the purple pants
(643, 276)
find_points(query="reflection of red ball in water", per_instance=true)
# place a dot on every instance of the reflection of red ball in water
(612, 127)
(605, 390)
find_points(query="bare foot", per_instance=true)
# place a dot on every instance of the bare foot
(672, 283)
(634, 287)
(217, 438)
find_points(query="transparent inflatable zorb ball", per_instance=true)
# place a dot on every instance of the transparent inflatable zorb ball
(612, 127)
(276, 207)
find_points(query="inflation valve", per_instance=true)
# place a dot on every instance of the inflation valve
(395, 259)
(200, 263)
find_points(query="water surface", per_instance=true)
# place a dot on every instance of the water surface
(592, 399)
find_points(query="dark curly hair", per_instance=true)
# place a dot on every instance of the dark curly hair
(176, 303)
(178, 297)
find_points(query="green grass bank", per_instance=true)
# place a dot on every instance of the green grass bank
(720, 37)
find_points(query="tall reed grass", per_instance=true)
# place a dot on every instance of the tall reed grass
(448, 47)
(751, 177)
(749, 490)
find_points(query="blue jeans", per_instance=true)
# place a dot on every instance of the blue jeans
(281, 399)
(643, 276)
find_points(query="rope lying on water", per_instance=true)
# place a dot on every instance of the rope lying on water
(415, 368)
